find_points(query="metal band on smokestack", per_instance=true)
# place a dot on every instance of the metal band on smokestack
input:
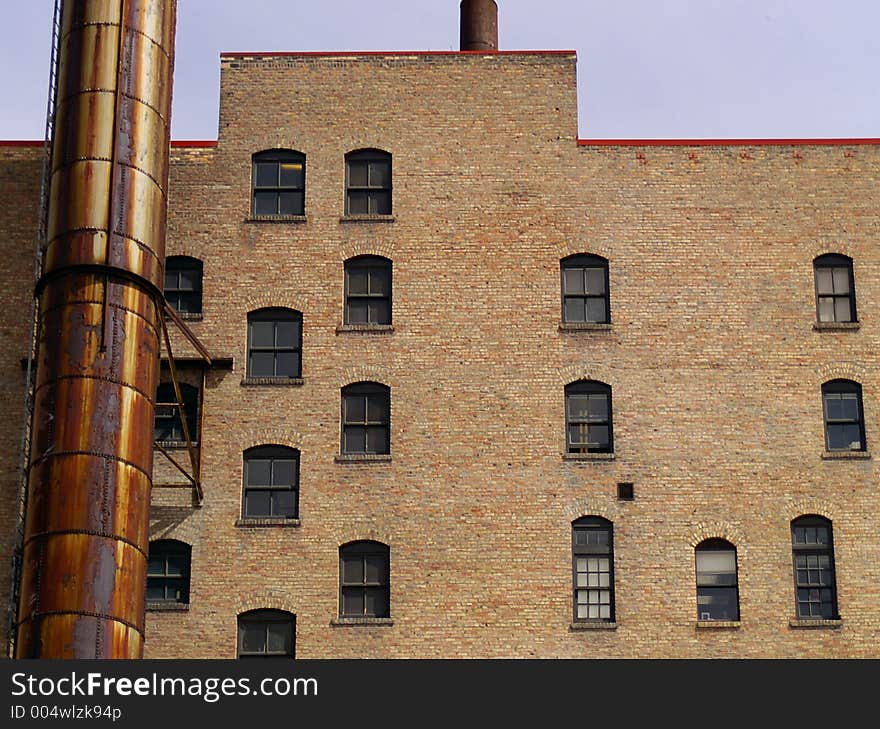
(479, 25)
(87, 520)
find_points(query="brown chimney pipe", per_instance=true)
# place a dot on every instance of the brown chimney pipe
(87, 520)
(479, 25)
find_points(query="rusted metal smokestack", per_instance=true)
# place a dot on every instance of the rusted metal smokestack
(479, 25)
(87, 520)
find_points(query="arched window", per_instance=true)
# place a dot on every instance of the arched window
(183, 284)
(275, 344)
(271, 483)
(585, 290)
(364, 580)
(812, 545)
(267, 634)
(717, 585)
(368, 290)
(279, 178)
(592, 547)
(368, 182)
(844, 419)
(366, 418)
(167, 425)
(588, 417)
(168, 572)
(835, 288)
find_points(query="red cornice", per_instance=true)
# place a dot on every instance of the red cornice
(337, 54)
(194, 143)
(20, 143)
(724, 142)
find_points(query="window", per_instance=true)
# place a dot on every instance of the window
(717, 589)
(279, 183)
(588, 417)
(368, 290)
(168, 572)
(364, 580)
(585, 290)
(266, 634)
(167, 425)
(593, 560)
(835, 289)
(844, 422)
(275, 343)
(815, 585)
(366, 418)
(183, 284)
(271, 483)
(368, 183)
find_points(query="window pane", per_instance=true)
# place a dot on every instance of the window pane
(189, 280)
(283, 472)
(598, 405)
(266, 174)
(717, 604)
(578, 407)
(357, 174)
(253, 638)
(284, 504)
(842, 310)
(170, 279)
(358, 281)
(824, 283)
(575, 310)
(376, 602)
(353, 570)
(358, 311)
(287, 334)
(278, 638)
(596, 311)
(574, 280)
(380, 174)
(353, 601)
(826, 309)
(375, 568)
(377, 409)
(716, 561)
(833, 407)
(262, 364)
(355, 409)
(155, 590)
(840, 278)
(259, 472)
(156, 565)
(379, 281)
(175, 566)
(358, 203)
(257, 503)
(377, 439)
(265, 203)
(577, 435)
(849, 405)
(354, 440)
(291, 174)
(380, 312)
(595, 280)
(380, 203)
(599, 436)
(287, 364)
(291, 203)
(262, 334)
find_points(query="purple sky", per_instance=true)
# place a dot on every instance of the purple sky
(646, 68)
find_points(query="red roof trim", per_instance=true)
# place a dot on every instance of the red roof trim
(194, 143)
(20, 143)
(336, 54)
(723, 142)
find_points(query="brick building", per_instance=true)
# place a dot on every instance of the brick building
(482, 389)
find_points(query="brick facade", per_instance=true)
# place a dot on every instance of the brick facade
(715, 365)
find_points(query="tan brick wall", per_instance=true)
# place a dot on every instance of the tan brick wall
(715, 367)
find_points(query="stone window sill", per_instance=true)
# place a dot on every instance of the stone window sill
(363, 458)
(175, 445)
(190, 315)
(592, 625)
(362, 622)
(587, 456)
(845, 455)
(366, 219)
(365, 329)
(276, 219)
(718, 624)
(815, 623)
(568, 326)
(160, 606)
(836, 326)
(272, 381)
(253, 522)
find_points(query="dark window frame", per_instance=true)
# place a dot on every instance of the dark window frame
(706, 587)
(374, 301)
(264, 618)
(830, 390)
(583, 263)
(592, 529)
(279, 188)
(835, 262)
(273, 453)
(176, 294)
(591, 388)
(371, 192)
(361, 550)
(167, 410)
(277, 316)
(377, 395)
(167, 550)
(827, 608)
